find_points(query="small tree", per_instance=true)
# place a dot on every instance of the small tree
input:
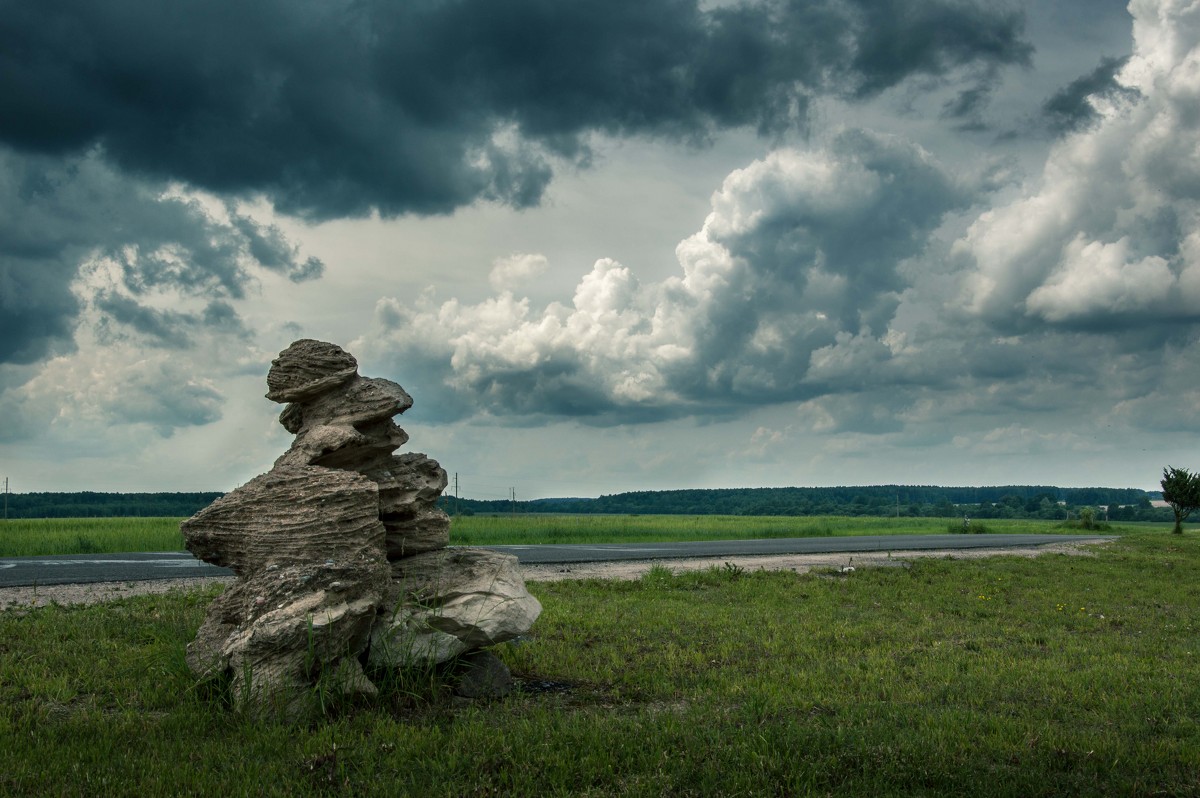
(1181, 490)
(1087, 518)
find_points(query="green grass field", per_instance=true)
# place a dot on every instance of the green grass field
(499, 529)
(23, 537)
(106, 535)
(1004, 676)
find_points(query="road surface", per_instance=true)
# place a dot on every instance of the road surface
(87, 568)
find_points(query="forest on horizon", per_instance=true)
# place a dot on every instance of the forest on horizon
(1008, 501)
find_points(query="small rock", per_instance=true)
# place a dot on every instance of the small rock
(481, 674)
(448, 602)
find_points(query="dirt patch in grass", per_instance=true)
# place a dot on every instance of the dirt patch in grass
(20, 597)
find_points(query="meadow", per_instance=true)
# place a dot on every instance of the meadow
(1057, 675)
(23, 537)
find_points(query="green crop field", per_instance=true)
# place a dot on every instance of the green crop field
(1005, 676)
(22, 537)
(521, 529)
(106, 535)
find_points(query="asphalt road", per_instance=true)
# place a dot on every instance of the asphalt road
(85, 568)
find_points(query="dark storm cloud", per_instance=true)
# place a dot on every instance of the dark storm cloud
(904, 38)
(59, 213)
(935, 39)
(335, 109)
(37, 308)
(267, 245)
(338, 108)
(966, 109)
(1068, 109)
(165, 328)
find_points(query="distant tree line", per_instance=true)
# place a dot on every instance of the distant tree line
(906, 501)
(86, 504)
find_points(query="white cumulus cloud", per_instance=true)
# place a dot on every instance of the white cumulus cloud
(516, 269)
(1109, 234)
(795, 270)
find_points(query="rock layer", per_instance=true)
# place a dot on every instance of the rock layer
(340, 550)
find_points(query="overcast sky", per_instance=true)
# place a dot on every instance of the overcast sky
(607, 245)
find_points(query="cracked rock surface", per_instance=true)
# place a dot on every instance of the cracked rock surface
(340, 550)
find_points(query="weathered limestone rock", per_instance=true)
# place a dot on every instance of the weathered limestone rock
(409, 487)
(340, 551)
(444, 603)
(307, 368)
(293, 515)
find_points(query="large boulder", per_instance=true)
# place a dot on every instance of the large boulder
(340, 551)
(444, 603)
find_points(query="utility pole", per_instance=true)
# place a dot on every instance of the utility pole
(456, 493)
(6, 498)
(513, 497)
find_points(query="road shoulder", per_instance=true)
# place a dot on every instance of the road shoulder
(38, 596)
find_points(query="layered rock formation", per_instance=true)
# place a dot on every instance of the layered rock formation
(340, 550)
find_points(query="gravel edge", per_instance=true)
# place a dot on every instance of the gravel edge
(97, 592)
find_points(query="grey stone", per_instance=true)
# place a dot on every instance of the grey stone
(307, 368)
(340, 552)
(289, 516)
(482, 674)
(447, 602)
